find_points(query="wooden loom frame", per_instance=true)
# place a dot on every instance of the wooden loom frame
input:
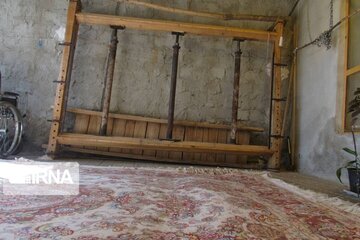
(75, 17)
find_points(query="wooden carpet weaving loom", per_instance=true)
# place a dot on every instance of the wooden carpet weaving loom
(104, 133)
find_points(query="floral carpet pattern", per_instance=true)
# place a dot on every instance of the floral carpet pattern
(154, 204)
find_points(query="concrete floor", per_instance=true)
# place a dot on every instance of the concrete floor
(332, 189)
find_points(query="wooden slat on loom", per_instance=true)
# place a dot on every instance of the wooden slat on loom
(129, 132)
(198, 138)
(172, 26)
(139, 132)
(141, 143)
(118, 130)
(149, 158)
(242, 139)
(152, 132)
(94, 127)
(81, 123)
(222, 138)
(218, 16)
(108, 132)
(110, 126)
(189, 136)
(231, 158)
(178, 134)
(164, 121)
(205, 138)
(213, 136)
(162, 135)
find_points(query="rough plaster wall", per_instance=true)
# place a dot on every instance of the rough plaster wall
(30, 59)
(320, 74)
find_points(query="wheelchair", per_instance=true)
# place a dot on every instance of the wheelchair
(11, 123)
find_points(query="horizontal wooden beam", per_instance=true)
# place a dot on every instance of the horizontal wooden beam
(353, 70)
(85, 140)
(184, 123)
(219, 16)
(172, 26)
(149, 158)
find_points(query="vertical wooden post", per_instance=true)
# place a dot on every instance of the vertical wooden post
(109, 77)
(276, 138)
(71, 33)
(294, 104)
(346, 66)
(235, 101)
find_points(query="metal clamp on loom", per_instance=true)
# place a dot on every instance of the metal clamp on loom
(64, 43)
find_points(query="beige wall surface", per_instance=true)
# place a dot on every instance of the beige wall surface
(320, 93)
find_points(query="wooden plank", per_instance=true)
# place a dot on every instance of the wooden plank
(152, 132)
(94, 127)
(140, 143)
(109, 130)
(242, 138)
(212, 138)
(178, 134)
(64, 78)
(231, 158)
(149, 158)
(219, 16)
(110, 126)
(139, 132)
(205, 138)
(286, 117)
(81, 123)
(108, 133)
(189, 136)
(118, 130)
(164, 121)
(276, 143)
(199, 132)
(222, 138)
(129, 132)
(162, 135)
(353, 70)
(172, 26)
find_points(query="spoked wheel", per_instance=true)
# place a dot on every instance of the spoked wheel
(11, 128)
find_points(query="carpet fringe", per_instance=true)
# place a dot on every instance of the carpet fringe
(214, 170)
(188, 170)
(321, 198)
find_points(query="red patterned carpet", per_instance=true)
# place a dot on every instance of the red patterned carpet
(128, 203)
